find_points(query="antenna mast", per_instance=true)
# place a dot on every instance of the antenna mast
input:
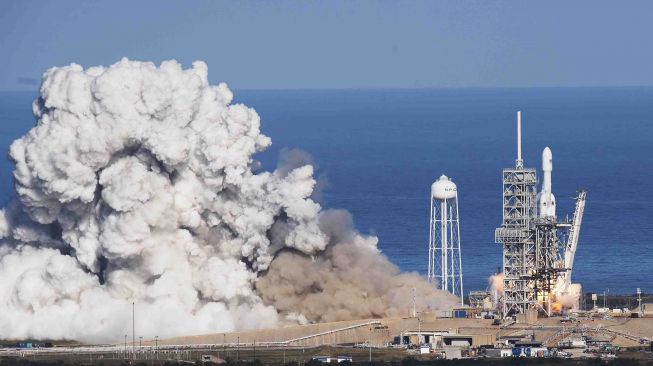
(520, 163)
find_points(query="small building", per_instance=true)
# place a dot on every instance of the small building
(511, 340)
(528, 344)
(466, 312)
(423, 337)
(536, 351)
(443, 338)
(498, 352)
(572, 343)
(468, 340)
(596, 342)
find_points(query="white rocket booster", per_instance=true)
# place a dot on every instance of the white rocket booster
(547, 201)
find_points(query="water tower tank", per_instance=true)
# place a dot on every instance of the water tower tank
(443, 188)
(445, 264)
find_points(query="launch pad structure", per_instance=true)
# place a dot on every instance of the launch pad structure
(538, 250)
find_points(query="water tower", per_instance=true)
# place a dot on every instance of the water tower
(445, 264)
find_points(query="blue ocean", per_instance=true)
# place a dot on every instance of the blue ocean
(379, 151)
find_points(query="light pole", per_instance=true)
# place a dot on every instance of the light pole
(140, 344)
(370, 343)
(414, 305)
(156, 346)
(639, 300)
(125, 344)
(134, 328)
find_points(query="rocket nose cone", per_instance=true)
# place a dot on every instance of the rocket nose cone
(547, 159)
(546, 153)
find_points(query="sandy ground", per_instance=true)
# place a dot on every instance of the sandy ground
(391, 327)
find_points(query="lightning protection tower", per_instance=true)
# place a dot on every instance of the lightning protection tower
(445, 263)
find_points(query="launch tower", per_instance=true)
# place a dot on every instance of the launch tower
(538, 250)
(516, 233)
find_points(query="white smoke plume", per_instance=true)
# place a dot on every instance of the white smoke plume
(137, 186)
(496, 282)
(569, 297)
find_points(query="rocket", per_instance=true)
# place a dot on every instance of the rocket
(546, 199)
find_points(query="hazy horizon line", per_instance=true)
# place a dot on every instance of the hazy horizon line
(405, 88)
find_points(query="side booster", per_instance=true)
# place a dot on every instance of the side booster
(546, 199)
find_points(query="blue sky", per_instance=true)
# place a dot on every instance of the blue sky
(340, 44)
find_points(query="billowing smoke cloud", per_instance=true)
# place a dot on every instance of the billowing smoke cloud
(137, 186)
(351, 280)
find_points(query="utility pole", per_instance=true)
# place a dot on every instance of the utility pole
(125, 344)
(604, 300)
(414, 307)
(156, 346)
(639, 300)
(133, 328)
(238, 349)
(370, 343)
(224, 345)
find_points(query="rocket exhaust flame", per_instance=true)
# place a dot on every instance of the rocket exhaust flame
(137, 185)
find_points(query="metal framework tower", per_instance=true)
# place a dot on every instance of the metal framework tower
(538, 250)
(516, 234)
(548, 250)
(445, 263)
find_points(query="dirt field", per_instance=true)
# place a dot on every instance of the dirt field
(350, 338)
(388, 328)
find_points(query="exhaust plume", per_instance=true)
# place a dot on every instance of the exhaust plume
(496, 282)
(137, 185)
(570, 297)
(350, 280)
